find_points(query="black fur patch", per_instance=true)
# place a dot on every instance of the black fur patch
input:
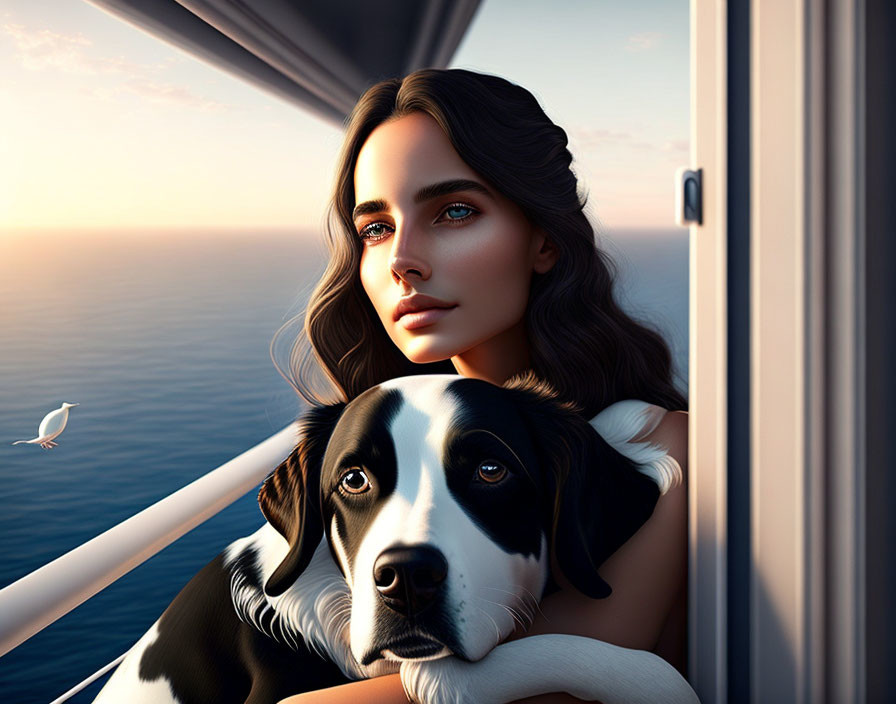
(593, 498)
(362, 439)
(208, 655)
(489, 426)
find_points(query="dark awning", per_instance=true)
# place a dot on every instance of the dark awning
(319, 54)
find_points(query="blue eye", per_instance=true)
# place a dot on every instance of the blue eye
(374, 231)
(458, 213)
(454, 209)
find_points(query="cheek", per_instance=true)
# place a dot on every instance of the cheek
(375, 278)
(494, 268)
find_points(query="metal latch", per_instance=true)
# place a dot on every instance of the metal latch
(688, 197)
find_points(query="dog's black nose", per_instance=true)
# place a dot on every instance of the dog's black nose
(409, 578)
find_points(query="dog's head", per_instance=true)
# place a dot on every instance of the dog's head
(442, 499)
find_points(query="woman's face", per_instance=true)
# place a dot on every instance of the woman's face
(446, 265)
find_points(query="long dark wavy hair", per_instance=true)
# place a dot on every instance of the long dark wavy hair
(581, 342)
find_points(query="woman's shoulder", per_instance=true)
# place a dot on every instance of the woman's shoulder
(672, 434)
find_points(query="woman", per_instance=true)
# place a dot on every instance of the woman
(460, 244)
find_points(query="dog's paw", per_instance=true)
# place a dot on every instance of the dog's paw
(508, 672)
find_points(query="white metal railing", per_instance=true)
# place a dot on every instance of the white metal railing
(32, 603)
(90, 680)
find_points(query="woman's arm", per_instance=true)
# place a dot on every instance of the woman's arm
(379, 690)
(648, 574)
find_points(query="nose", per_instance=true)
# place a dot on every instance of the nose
(409, 579)
(408, 260)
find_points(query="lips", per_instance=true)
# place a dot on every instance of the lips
(419, 303)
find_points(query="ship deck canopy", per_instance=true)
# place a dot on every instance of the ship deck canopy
(318, 55)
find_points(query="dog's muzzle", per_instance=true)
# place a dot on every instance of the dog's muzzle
(410, 579)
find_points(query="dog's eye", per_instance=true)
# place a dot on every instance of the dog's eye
(491, 471)
(354, 481)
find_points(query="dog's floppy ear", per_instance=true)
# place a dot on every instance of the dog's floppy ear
(596, 497)
(290, 496)
(602, 500)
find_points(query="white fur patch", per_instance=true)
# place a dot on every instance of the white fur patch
(623, 421)
(315, 608)
(587, 669)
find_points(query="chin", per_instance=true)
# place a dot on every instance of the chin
(422, 351)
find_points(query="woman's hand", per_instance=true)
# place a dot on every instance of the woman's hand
(378, 690)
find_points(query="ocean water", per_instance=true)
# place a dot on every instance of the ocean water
(163, 338)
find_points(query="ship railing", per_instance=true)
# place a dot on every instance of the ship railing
(38, 599)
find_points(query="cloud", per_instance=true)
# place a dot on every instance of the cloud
(677, 146)
(45, 50)
(159, 92)
(592, 138)
(643, 41)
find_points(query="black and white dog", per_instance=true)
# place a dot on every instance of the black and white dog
(418, 522)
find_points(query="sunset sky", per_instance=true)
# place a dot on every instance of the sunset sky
(104, 126)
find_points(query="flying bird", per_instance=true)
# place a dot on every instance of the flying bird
(50, 427)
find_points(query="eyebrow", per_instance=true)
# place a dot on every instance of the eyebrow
(435, 190)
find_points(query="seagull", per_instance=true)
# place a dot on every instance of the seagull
(50, 427)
